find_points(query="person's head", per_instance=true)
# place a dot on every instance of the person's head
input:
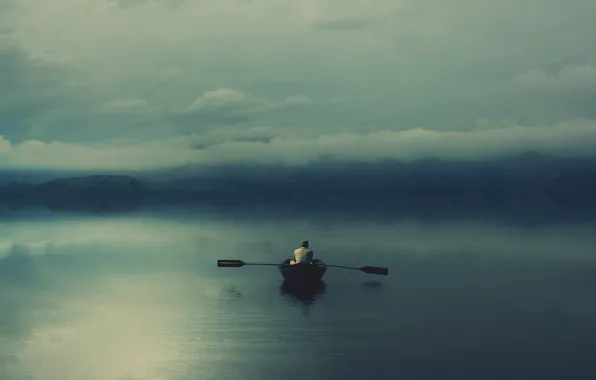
(304, 243)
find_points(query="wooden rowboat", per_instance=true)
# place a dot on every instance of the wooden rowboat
(303, 272)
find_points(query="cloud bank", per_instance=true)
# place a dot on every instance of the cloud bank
(263, 146)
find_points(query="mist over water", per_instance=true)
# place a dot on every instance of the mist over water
(139, 296)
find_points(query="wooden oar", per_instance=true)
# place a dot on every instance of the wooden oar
(237, 263)
(366, 269)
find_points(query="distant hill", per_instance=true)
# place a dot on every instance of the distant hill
(564, 180)
(528, 173)
(96, 192)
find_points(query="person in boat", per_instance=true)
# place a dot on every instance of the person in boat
(302, 254)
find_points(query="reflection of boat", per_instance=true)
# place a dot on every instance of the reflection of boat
(306, 293)
(372, 285)
(304, 273)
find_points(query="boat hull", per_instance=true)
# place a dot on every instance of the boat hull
(308, 273)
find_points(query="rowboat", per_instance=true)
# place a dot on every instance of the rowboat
(303, 272)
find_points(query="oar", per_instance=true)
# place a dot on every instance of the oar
(367, 269)
(237, 263)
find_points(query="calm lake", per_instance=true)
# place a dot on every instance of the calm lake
(139, 296)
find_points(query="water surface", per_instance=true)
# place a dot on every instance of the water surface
(139, 296)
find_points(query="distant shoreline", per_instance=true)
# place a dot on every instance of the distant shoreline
(106, 193)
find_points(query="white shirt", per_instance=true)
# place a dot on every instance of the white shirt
(303, 254)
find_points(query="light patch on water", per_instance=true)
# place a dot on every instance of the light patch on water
(116, 334)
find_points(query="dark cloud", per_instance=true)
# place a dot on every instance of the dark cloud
(30, 89)
(560, 93)
(6, 5)
(206, 144)
(130, 3)
(347, 24)
(52, 101)
(123, 4)
(223, 107)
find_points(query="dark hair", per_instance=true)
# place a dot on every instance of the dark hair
(304, 243)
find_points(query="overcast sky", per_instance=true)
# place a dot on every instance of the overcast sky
(155, 83)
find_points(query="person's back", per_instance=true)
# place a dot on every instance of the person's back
(302, 254)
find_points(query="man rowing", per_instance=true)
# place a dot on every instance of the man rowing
(302, 254)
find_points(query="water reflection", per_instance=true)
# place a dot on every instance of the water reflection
(306, 294)
(369, 286)
(230, 293)
(18, 267)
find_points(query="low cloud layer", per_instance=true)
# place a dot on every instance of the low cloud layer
(262, 146)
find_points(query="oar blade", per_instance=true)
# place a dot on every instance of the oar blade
(230, 263)
(375, 270)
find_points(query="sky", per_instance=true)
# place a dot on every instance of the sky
(153, 84)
